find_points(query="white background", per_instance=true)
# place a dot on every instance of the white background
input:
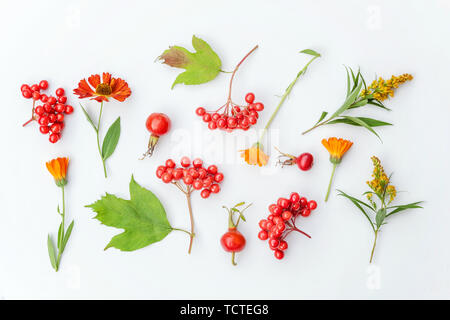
(65, 41)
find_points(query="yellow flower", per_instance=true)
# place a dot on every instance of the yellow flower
(337, 148)
(255, 155)
(58, 169)
(380, 182)
(382, 89)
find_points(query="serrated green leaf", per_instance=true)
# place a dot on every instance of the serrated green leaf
(51, 252)
(371, 122)
(379, 218)
(111, 139)
(201, 66)
(311, 52)
(400, 208)
(67, 236)
(88, 118)
(142, 217)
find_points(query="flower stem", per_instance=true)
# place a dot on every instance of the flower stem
(316, 126)
(32, 115)
(61, 236)
(191, 217)
(285, 95)
(233, 256)
(331, 180)
(98, 140)
(235, 69)
(374, 245)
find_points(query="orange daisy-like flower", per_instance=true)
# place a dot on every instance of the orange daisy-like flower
(58, 169)
(255, 155)
(337, 148)
(104, 88)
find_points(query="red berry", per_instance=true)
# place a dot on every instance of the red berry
(193, 173)
(249, 98)
(218, 177)
(295, 206)
(286, 215)
(44, 98)
(197, 184)
(188, 180)
(215, 188)
(35, 87)
(202, 173)
(252, 119)
(312, 205)
(295, 197)
(59, 117)
(185, 162)
(43, 84)
(283, 202)
(39, 110)
(60, 108)
(55, 128)
(259, 107)
(52, 118)
(59, 92)
(25, 87)
(305, 161)
(158, 124)
(62, 99)
(232, 241)
(221, 123)
(212, 169)
(197, 163)
(207, 117)
(43, 121)
(51, 100)
(263, 235)
(200, 111)
(281, 226)
(170, 163)
(44, 129)
(303, 201)
(215, 116)
(205, 193)
(27, 94)
(212, 125)
(263, 224)
(279, 254)
(47, 108)
(207, 182)
(54, 137)
(167, 177)
(36, 95)
(283, 245)
(305, 212)
(231, 122)
(68, 110)
(273, 243)
(159, 172)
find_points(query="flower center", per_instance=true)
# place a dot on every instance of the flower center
(103, 89)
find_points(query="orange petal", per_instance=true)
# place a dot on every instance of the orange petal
(94, 80)
(106, 77)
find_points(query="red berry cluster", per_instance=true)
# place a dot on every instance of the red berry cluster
(49, 115)
(233, 116)
(195, 176)
(281, 221)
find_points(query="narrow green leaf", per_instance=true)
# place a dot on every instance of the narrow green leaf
(400, 208)
(51, 252)
(240, 204)
(371, 122)
(379, 218)
(378, 104)
(348, 81)
(348, 102)
(322, 116)
(363, 124)
(311, 52)
(67, 236)
(60, 234)
(111, 139)
(88, 118)
(357, 203)
(358, 104)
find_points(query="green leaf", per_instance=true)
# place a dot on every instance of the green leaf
(358, 104)
(363, 124)
(67, 236)
(358, 203)
(311, 52)
(142, 217)
(348, 81)
(201, 66)
(322, 116)
(371, 122)
(348, 102)
(111, 139)
(51, 252)
(413, 205)
(240, 204)
(60, 235)
(88, 118)
(378, 104)
(379, 218)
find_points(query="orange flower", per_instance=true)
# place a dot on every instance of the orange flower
(58, 169)
(255, 155)
(337, 148)
(108, 87)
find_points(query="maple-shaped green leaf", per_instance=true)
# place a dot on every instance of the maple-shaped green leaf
(142, 217)
(201, 66)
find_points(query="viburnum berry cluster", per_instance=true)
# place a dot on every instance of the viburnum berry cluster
(190, 177)
(281, 221)
(232, 116)
(49, 115)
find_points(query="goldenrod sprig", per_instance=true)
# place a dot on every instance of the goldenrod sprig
(359, 95)
(380, 186)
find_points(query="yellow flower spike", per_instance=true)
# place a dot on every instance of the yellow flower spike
(383, 89)
(337, 148)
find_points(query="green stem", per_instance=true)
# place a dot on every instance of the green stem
(185, 231)
(60, 241)
(329, 184)
(285, 95)
(98, 140)
(374, 245)
(233, 256)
